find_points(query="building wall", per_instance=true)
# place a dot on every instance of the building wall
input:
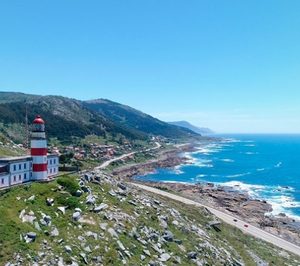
(20, 167)
(20, 177)
(53, 163)
(4, 180)
(21, 171)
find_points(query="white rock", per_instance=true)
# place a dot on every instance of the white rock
(68, 249)
(164, 257)
(62, 209)
(112, 232)
(54, 232)
(121, 246)
(76, 216)
(103, 226)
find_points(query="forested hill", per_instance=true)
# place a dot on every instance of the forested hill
(68, 118)
(138, 120)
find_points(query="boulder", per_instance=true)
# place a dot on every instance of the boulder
(30, 237)
(32, 198)
(90, 199)
(112, 232)
(84, 258)
(121, 246)
(168, 236)
(68, 249)
(49, 201)
(147, 252)
(47, 219)
(62, 209)
(192, 255)
(101, 207)
(54, 232)
(78, 193)
(164, 257)
(122, 186)
(87, 178)
(76, 216)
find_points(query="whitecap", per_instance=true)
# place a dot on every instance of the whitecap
(283, 204)
(231, 140)
(251, 190)
(227, 160)
(278, 165)
(239, 175)
(176, 171)
(200, 176)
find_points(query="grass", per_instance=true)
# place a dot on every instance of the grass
(9, 151)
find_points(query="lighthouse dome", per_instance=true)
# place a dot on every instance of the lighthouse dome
(38, 120)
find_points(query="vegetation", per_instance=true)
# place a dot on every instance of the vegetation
(11, 227)
(133, 118)
(70, 118)
(69, 184)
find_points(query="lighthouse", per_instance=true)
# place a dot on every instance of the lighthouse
(39, 166)
(39, 150)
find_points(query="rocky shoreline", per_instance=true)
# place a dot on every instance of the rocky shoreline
(166, 159)
(230, 200)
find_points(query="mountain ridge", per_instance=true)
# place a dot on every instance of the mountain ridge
(196, 129)
(75, 118)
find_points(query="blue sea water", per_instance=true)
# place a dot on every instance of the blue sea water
(265, 166)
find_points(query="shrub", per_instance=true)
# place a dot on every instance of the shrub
(71, 202)
(69, 184)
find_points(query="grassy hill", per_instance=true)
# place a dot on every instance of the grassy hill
(130, 228)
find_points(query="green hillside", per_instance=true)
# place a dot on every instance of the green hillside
(67, 118)
(142, 122)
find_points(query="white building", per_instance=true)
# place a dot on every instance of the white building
(38, 166)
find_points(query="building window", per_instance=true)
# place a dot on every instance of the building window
(20, 177)
(51, 171)
(2, 181)
(30, 174)
(25, 176)
(54, 161)
(15, 178)
(20, 166)
(24, 165)
(15, 167)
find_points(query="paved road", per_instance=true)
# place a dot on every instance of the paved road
(107, 163)
(251, 230)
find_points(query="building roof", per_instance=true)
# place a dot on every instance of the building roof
(15, 159)
(38, 120)
(52, 155)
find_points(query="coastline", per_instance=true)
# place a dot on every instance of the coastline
(227, 199)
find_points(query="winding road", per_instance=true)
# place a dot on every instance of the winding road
(229, 219)
(107, 163)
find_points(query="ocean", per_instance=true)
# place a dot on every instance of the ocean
(265, 166)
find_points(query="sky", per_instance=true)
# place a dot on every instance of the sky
(232, 66)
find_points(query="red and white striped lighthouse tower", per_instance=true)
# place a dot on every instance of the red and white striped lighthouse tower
(39, 150)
